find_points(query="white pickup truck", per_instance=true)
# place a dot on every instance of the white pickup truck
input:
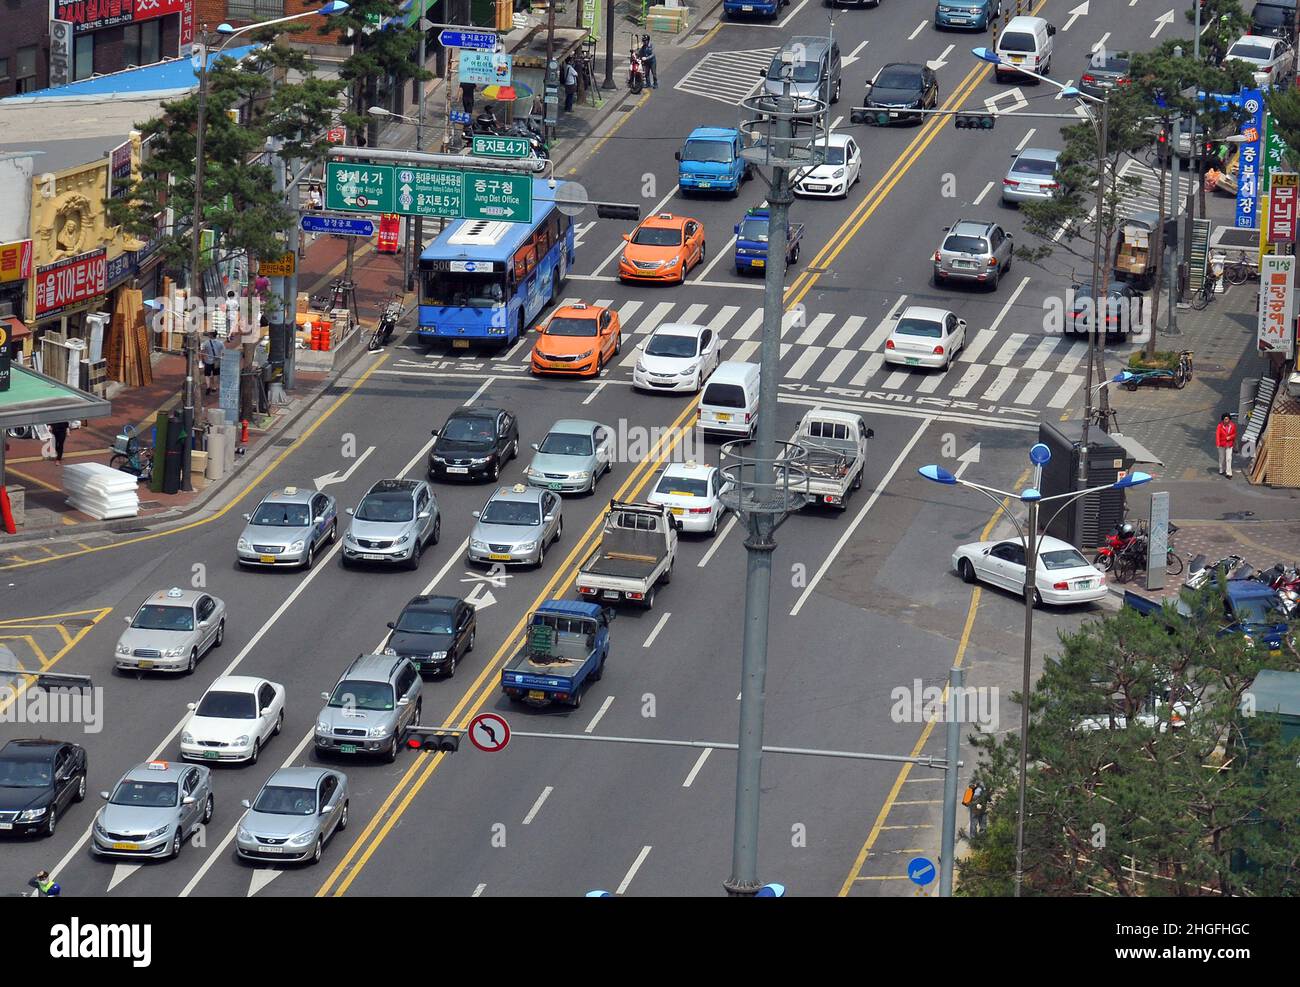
(636, 553)
(836, 445)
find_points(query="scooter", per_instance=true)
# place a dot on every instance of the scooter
(1199, 573)
(635, 73)
(387, 322)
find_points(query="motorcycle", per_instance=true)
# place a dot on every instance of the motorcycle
(387, 323)
(1199, 572)
(1117, 542)
(635, 73)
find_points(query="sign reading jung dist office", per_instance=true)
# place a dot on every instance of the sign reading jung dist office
(60, 53)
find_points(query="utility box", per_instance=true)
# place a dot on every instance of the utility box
(1277, 697)
(1107, 462)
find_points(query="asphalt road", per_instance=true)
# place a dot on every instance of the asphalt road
(862, 603)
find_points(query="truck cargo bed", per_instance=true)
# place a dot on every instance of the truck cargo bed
(621, 565)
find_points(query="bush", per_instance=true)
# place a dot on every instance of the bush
(1160, 360)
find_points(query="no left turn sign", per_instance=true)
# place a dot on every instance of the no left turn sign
(489, 732)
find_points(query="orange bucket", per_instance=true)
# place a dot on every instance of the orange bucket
(325, 337)
(315, 337)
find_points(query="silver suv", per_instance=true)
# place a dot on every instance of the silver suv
(393, 522)
(973, 251)
(374, 702)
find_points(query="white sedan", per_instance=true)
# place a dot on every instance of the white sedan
(693, 493)
(677, 357)
(1271, 59)
(925, 337)
(837, 174)
(1063, 575)
(234, 720)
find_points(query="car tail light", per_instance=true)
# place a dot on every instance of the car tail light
(748, 416)
(938, 351)
(1088, 78)
(993, 262)
(1052, 185)
(701, 510)
(562, 696)
(889, 344)
(1268, 69)
(636, 596)
(1123, 81)
(587, 590)
(1009, 181)
(936, 257)
(1060, 585)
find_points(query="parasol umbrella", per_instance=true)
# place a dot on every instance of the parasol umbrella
(506, 94)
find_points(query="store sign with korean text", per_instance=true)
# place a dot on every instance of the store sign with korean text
(91, 15)
(1248, 169)
(591, 18)
(1276, 281)
(1282, 195)
(119, 171)
(1275, 149)
(70, 281)
(485, 68)
(60, 53)
(187, 26)
(15, 261)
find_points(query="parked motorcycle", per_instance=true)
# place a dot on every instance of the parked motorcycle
(635, 73)
(1199, 572)
(387, 322)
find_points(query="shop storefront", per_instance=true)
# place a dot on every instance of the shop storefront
(15, 274)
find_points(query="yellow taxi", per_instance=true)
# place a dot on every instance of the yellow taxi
(663, 248)
(577, 341)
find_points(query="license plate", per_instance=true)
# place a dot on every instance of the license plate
(270, 849)
(724, 418)
(210, 755)
(144, 664)
(536, 694)
(373, 558)
(126, 846)
(457, 469)
(266, 558)
(611, 594)
(348, 748)
(679, 510)
(816, 188)
(6, 825)
(556, 486)
(460, 344)
(892, 114)
(1017, 59)
(968, 265)
(913, 361)
(758, 263)
(1084, 584)
(706, 185)
(499, 557)
(747, 7)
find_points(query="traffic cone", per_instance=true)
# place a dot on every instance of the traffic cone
(7, 513)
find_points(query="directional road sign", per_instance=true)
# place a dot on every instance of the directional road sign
(490, 195)
(489, 732)
(429, 192)
(353, 188)
(338, 225)
(483, 40)
(356, 187)
(920, 871)
(503, 147)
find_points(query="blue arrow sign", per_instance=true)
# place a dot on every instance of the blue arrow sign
(920, 871)
(338, 225)
(468, 39)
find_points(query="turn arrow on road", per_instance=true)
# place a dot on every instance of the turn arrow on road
(971, 455)
(942, 60)
(335, 477)
(1162, 21)
(1075, 14)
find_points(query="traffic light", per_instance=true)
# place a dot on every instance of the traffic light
(872, 118)
(615, 210)
(1162, 144)
(974, 121)
(432, 739)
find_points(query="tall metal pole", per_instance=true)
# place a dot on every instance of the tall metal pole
(1175, 201)
(948, 850)
(609, 45)
(1031, 570)
(760, 544)
(417, 238)
(1196, 37)
(196, 249)
(1099, 296)
(291, 284)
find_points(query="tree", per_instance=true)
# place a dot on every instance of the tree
(240, 201)
(1223, 21)
(1149, 776)
(377, 53)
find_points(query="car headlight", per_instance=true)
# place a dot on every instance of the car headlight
(438, 656)
(302, 839)
(322, 726)
(672, 261)
(477, 545)
(434, 458)
(583, 356)
(158, 832)
(245, 835)
(377, 731)
(403, 539)
(122, 649)
(580, 475)
(640, 367)
(240, 741)
(31, 815)
(298, 546)
(531, 471)
(837, 173)
(390, 651)
(480, 460)
(187, 737)
(527, 546)
(173, 652)
(244, 545)
(100, 830)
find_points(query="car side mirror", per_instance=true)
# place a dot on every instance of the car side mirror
(266, 711)
(191, 706)
(987, 550)
(627, 237)
(204, 623)
(127, 619)
(351, 512)
(391, 626)
(433, 432)
(871, 433)
(534, 447)
(762, 73)
(477, 513)
(403, 701)
(1010, 236)
(326, 808)
(325, 696)
(318, 519)
(188, 800)
(425, 515)
(549, 518)
(246, 803)
(677, 155)
(104, 796)
(962, 323)
(248, 517)
(1051, 29)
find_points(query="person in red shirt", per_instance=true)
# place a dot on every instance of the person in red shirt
(1225, 437)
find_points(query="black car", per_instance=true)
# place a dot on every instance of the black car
(1124, 308)
(474, 444)
(903, 86)
(1105, 73)
(434, 632)
(39, 779)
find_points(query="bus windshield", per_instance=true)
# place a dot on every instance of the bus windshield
(456, 290)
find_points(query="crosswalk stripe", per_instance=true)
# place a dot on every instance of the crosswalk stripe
(692, 315)
(971, 353)
(1035, 385)
(806, 359)
(879, 334)
(1004, 379)
(785, 348)
(1066, 391)
(815, 329)
(872, 364)
(651, 321)
(751, 325)
(837, 366)
(895, 380)
(625, 313)
(1041, 353)
(789, 320)
(1008, 349)
(968, 380)
(727, 313)
(851, 326)
(744, 351)
(1075, 356)
(930, 383)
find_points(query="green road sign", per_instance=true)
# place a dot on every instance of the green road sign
(430, 192)
(503, 147)
(356, 187)
(490, 195)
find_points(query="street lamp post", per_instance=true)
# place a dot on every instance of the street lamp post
(196, 224)
(1032, 498)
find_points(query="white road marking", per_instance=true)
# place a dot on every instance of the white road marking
(626, 311)
(980, 198)
(1008, 349)
(874, 342)
(1025, 140)
(968, 380)
(1010, 301)
(604, 708)
(745, 350)
(873, 363)
(478, 891)
(1062, 397)
(717, 541)
(645, 850)
(663, 619)
(815, 329)
(1102, 43)
(724, 252)
(120, 873)
(930, 383)
(537, 806)
(999, 386)
(857, 520)
(806, 359)
(1076, 355)
(1044, 349)
(699, 763)
(261, 877)
(919, 28)
(750, 326)
(596, 390)
(1035, 385)
(896, 380)
(725, 315)
(837, 366)
(788, 17)
(971, 353)
(850, 329)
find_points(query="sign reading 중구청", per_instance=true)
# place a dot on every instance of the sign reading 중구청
(1276, 278)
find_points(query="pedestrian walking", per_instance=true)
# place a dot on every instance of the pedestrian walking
(230, 308)
(570, 85)
(210, 354)
(1225, 438)
(467, 97)
(648, 62)
(60, 432)
(45, 887)
(976, 801)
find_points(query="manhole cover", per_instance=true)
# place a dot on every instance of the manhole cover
(627, 108)
(284, 442)
(77, 622)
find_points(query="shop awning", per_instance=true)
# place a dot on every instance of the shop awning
(1135, 449)
(34, 399)
(17, 328)
(165, 80)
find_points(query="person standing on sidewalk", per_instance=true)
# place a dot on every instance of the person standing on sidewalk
(467, 97)
(647, 54)
(210, 354)
(1225, 437)
(60, 432)
(570, 85)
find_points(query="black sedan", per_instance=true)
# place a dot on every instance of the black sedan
(475, 444)
(1124, 309)
(39, 779)
(435, 632)
(900, 87)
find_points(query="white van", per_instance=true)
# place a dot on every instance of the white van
(730, 400)
(1025, 41)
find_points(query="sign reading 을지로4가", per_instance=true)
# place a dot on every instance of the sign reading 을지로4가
(1276, 282)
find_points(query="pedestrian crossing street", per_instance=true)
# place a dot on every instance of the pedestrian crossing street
(727, 76)
(847, 351)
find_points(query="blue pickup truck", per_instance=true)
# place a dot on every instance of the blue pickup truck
(761, 8)
(752, 241)
(1250, 608)
(566, 647)
(710, 161)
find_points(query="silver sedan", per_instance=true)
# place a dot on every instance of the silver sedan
(516, 525)
(153, 810)
(1034, 176)
(573, 457)
(294, 815)
(171, 631)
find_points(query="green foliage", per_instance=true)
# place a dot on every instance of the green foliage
(1230, 21)
(1161, 359)
(1172, 792)
(375, 54)
(1284, 104)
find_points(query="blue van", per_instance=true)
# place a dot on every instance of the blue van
(710, 160)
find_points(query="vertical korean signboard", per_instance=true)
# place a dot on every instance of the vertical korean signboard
(119, 170)
(591, 18)
(1282, 207)
(60, 53)
(1248, 168)
(1276, 281)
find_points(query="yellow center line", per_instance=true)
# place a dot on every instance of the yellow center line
(28, 677)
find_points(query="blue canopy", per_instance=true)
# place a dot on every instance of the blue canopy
(166, 80)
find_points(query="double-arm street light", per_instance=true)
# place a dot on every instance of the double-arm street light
(1032, 498)
(202, 58)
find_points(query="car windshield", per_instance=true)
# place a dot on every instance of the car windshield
(899, 79)
(468, 430)
(279, 801)
(683, 486)
(464, 290)
(959, 244)
(754, 230)
(1267, 16)
(715, 152)
(355, 694)
(153, 617)
(724, 396)
(386, 507)
(1065, 558)
(834, 155)
(566, 444)
(425, 622)
(145, 794)
(25, 774)
(1254, 53)
(1015, 41)
(512, 512)
(657, 236)
(919, 327)
(228, 706)
(1259, 610)
(561, 326)
(282, 515)
(805, 70)
(1034, 166)
(669, 344)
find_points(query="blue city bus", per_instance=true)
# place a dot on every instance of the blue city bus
(483, 281)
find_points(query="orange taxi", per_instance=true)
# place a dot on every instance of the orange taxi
(577, 341)
(662, 248)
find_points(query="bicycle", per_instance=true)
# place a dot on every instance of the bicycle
(1205, 294)
(1239, 271)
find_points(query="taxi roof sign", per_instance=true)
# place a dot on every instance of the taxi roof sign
(175, 593)
(158, 766)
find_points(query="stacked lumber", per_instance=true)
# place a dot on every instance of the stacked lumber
(1277, 457)
(127, 347)
(101, 491)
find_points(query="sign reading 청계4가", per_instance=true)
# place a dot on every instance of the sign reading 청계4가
(1276, 279)
(60, 53)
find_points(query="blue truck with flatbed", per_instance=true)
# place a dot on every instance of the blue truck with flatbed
(1250, 608)
(567, 642)
(752, 241)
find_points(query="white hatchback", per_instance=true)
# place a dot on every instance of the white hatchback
(925, 337)
(837, 174)
(1063, 575)
(677, 357)
(693, 493)
(235, 719)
